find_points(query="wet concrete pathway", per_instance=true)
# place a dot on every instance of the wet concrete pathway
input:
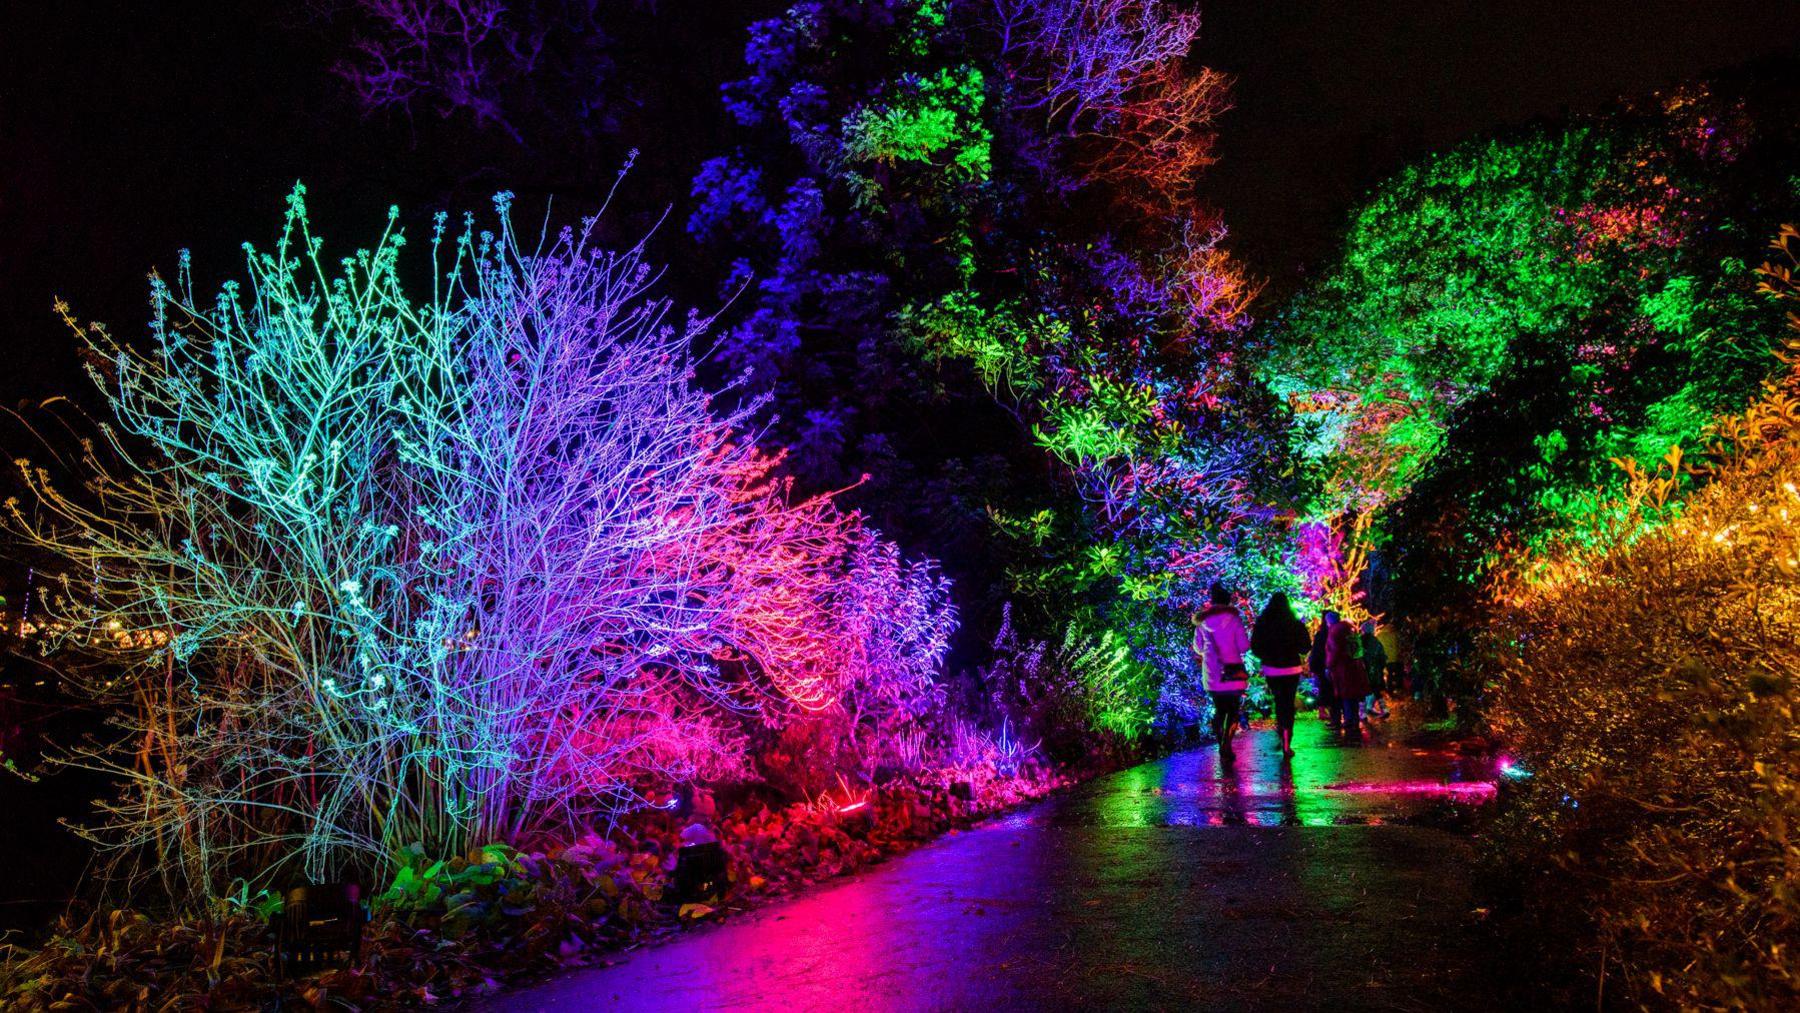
(1319, 884)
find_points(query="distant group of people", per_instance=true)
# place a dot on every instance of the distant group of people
(1348, 667)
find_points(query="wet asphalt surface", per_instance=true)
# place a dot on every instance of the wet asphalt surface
(1326, 883)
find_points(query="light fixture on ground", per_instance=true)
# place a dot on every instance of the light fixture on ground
(319, 925)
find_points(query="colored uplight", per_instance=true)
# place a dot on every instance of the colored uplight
(854, 806)
(1510, 769)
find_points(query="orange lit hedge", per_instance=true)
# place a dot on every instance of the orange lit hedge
(1649, 687)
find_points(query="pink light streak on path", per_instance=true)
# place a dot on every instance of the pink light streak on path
(1458, 788)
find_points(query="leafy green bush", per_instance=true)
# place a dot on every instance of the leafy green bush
(489, 882)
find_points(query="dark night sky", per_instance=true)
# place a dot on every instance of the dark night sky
(128, 130)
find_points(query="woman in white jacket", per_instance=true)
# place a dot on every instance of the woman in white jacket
(1219, 644)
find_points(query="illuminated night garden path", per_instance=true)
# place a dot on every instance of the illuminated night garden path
(1170, 884)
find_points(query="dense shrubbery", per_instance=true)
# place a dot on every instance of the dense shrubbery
(1508, 316)
(363, 570)
(396, 591)
(1650, 684)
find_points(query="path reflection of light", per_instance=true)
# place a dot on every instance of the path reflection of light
(1264, 816)
(1317, 788)
(1455, 789)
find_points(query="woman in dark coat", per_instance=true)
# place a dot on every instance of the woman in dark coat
(1280, 642)
(1349, 680)
(1326, 696)
(1375, 659)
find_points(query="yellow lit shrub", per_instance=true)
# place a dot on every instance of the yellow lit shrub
(1649, 687)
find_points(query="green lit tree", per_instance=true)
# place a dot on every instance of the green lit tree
(1508, 317)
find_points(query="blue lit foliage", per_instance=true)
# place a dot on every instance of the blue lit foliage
(945, 206)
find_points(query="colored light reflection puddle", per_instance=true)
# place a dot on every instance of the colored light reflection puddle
(1326, 784)
(1280, 818)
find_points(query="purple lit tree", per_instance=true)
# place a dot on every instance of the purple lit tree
(496, 62)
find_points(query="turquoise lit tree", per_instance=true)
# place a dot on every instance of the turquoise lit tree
(365, 571)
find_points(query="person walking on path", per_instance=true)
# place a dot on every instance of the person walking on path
(1399, 664)
(1325, 696)
(1349, 680)
(1219, 644)
(1279, 640)
(1375, 659)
